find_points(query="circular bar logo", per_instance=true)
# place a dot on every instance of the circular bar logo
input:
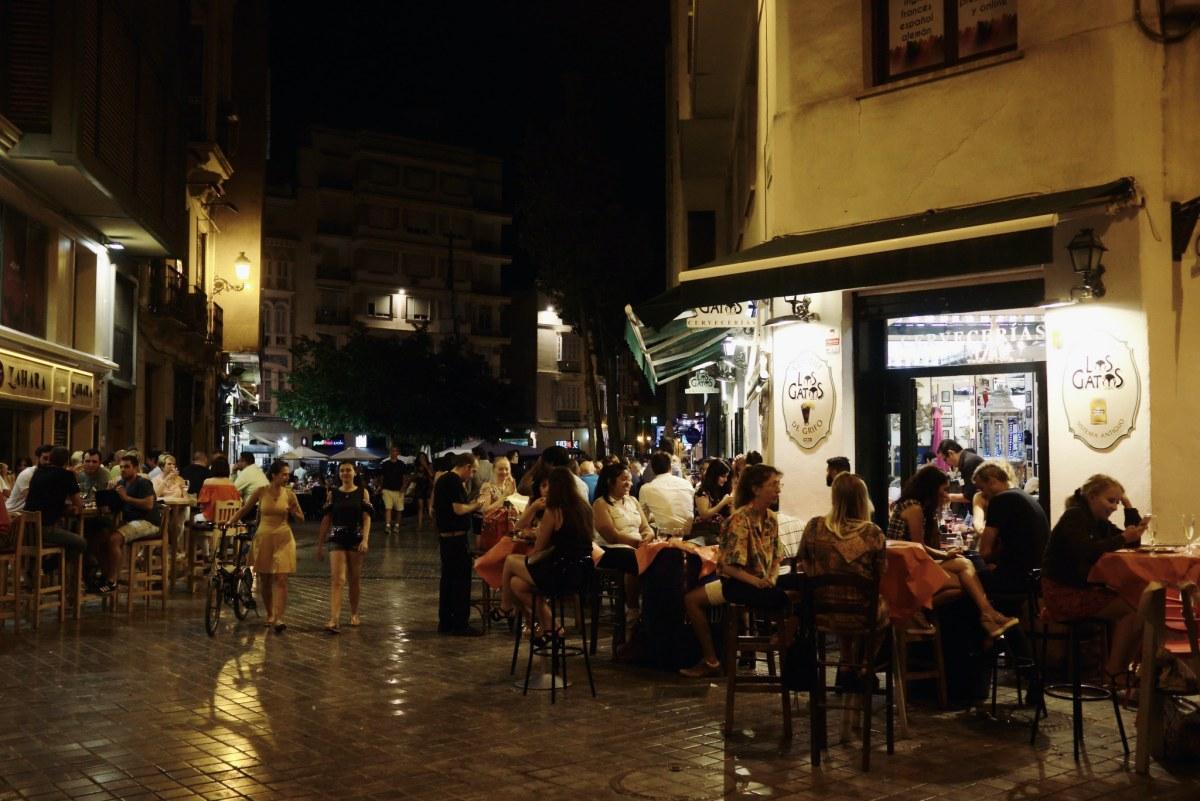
(1101, 390)
(808, 399)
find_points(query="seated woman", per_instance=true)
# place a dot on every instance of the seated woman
(714, 500)
(1079, 538)
(564, 539)
(621, 526)
(747, 566)
(494, 492)
(170, 484)
(914, 518)
(218, 487)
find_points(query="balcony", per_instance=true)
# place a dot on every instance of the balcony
(331, 272)
(569, 366)
(332, 316)
(170, 299)
(216, 326)
(568, 416)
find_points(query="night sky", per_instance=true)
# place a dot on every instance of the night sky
(477, 73)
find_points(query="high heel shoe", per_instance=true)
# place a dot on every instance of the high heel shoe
(997, 624)
(498, 615)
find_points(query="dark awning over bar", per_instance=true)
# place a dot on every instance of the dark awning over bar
(940, 243)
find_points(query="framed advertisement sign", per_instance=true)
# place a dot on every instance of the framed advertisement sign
(1101, 390)
(809, 399)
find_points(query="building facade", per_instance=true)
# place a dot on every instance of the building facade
(393, 234)
(904, 197)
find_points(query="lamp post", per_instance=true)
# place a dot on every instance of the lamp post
(241, 269)
(1086, 251)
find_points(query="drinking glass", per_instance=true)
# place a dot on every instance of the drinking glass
(1189, 529)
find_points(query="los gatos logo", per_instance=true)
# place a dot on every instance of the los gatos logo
(808, 402)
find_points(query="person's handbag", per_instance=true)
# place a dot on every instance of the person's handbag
(497, 524)
(1181, 729)
(346, 537)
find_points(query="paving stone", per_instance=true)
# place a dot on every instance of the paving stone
(149, 707)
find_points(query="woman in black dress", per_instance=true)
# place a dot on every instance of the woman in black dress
(422, 481)
(345, 530)
(714, 500)
(564, 539)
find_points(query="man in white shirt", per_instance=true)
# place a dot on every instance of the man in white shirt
(669, 499)
(20, 487)
(249, 476)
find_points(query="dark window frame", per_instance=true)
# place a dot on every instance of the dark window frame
(880, 47)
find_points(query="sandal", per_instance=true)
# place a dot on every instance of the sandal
(332, 628)
(701, 669)
(497, 615)
(355, 621)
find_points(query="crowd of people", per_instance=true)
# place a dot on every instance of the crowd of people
(576, 505)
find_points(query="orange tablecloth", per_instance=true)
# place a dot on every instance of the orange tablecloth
(911, 579)
(1128, 572)
(649, 551)
(490, 566)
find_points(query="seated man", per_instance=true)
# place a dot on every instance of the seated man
(249, 476)
(50, 490)
(137, 511)
(1014, 535)
(20, 488)
(669, 499)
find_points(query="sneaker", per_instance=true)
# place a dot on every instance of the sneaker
(107, 588)
(701, 669)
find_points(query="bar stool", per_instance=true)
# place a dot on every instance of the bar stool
(576, 587)
(34, 553)
(764, 636)
(145, 571)
(10, 579)
(905, 635)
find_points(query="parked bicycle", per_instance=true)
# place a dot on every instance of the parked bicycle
(229, 582)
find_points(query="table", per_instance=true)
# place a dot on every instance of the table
(911, 579)
(490, 566)
(1128, 571)
(175, 519)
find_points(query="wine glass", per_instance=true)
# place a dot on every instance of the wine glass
(1189, 529)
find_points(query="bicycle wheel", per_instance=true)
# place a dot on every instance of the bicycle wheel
(243, 595)
(212, 605)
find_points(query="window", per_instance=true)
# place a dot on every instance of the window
(418, 265)
(484, 319)
(385, 174)
(915, 36)
(282, 324)
(455, 184)
(568, 347)
(568, 397)
(419, 179)
(24, 248)
(383, 217)
(417, 309)
(418, 222)
(379, 306)
(266, 319)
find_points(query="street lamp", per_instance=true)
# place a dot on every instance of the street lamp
(1086, 251)
(241, 268)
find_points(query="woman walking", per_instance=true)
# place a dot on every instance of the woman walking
(346, 527)
(273, 555)
(422, 482)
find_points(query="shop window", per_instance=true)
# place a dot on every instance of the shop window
(910, 37)
(24, 249)
(941, 340)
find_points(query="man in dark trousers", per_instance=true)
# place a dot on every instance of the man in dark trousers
(965, 461)
(452, 515)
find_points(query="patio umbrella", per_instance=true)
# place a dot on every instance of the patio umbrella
(296, 454)
(356, 455)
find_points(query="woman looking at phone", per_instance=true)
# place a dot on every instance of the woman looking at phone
(1080, 537)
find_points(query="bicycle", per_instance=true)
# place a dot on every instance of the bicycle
(231, 583)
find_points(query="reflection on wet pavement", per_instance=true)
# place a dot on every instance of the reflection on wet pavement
(152, 708)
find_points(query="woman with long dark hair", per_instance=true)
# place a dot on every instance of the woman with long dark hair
(1080, 537)
(346, 527)
(714, 500)
(564, 539)
(422, 483)
(273, 554)
(915, 518)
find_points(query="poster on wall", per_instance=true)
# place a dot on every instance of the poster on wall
(808, 399)
(916, 35)
(985, 26)
(1101, 390)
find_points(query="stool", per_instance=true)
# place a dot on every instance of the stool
(1075, 689)
(1016, 605)
(558, 648)
(35, 552)
(754, 642)
(146, 570)
(10, 581)
(487, 600)
(904, 635)
(195, 556)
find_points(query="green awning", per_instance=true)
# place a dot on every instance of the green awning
(672, 351)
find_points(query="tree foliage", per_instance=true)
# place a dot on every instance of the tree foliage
(400, 387)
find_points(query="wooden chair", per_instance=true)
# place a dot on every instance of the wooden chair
(146, 570)
(755, 641)
(905, 635)
(197, 556)
(56, 584)
(856, 602)
(10, 580)
(1158, 609)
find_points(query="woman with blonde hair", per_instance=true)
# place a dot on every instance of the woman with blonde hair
(1080, 537)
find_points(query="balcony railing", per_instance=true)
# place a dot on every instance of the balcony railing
(332, 316)
(170, 298)
(569, 366)
(568, 415)
(333, 272)
(216, 326)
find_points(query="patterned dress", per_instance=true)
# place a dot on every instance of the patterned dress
(862, 553)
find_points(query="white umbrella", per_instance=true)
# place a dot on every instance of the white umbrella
(296, 454)
(356, 455)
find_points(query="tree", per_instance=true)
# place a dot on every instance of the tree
(399, 387)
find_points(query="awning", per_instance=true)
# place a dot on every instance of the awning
(940, 243)
(672, 351)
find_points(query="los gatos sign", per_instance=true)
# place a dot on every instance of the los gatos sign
(809, 399)
(1101, 390)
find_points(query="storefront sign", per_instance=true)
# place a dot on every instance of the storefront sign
(25, 379)
(808, 399)
(915, 35)
(729, 315)
(702, 383)
(83, 391)
(1101, 390)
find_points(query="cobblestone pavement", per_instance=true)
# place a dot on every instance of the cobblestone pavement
(152, 708)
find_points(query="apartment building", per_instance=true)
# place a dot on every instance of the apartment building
(390, 233)
(932, 219)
